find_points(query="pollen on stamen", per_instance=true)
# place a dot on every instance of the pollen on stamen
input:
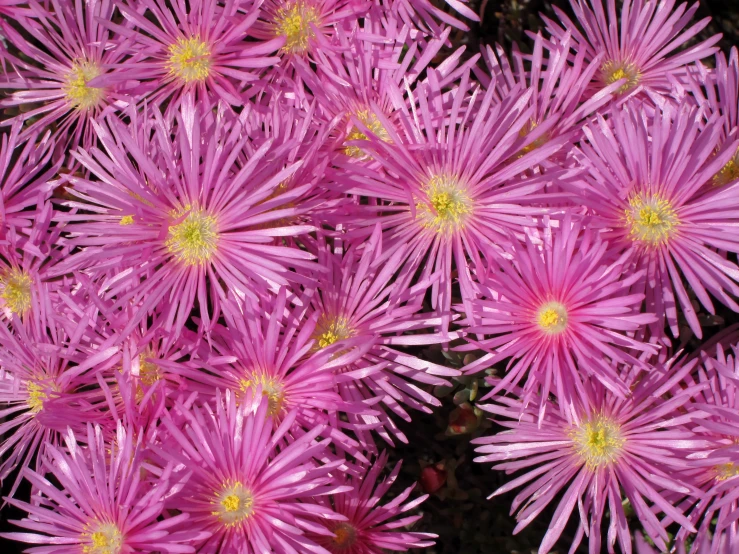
(36, 396)
(102, 538)
(79, 94)
(330, 330)
(195, 239)
(726, 471)
(15, 290)
(373, 124)
(271, 386)
(650, 219)
(190, 59)
(447, 205)
(234, 503)
(345, 535)
(728, 173)
(552, 318)
(598, 441)
(293, 21)
(613, 71)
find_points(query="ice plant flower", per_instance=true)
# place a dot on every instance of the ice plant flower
(197, 230)
(367, 298)
(371, 527)
(250, 482)
(645, 186)
(606, 448)
(448, 192)
(194, 48)
(562, 312)
(44, 382)
(637, 46)
(63, 78)
(100, 505)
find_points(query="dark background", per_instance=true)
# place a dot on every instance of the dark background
(459, 512)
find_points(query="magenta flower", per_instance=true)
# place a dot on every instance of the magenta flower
(103, 505)
(366, 298)
(606, 447)
(44, 382)
(371, 527)
(194, 48)
(562, 312)
(250, 482)
(644, 185)
(638, 46)
(447, 192)
(67, 69)
(195, 229)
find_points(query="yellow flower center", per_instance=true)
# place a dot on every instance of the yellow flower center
(447, 204)
(79, 94)
(612, 71)
(651, 219)
(345, 536)
(16, 290)
(105, 539)
(525, 130)
(552, 318)
(148, 371)
(373, 124)
(330, 330)
(598, 441)
(726, 471)
(36, 396)
(728, 173)
(190, 59)
(293, 21)
(272, 388)
(126, 220)
(194, 240)
(234, 503)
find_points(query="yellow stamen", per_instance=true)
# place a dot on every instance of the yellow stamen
(651, 219)
(148, 371)
(105, 539)
(345, 536)
(234, 503)
(190, 59)
(36, 396)
(272, 388)
(552, 318)
(330, 330)
(79, 94)
(15, 285)
(728, 173)
(293, 21)
(373, 124)
(525, 130)
(612, 71)
(598, 441)
(195, 239)
(126, 220)
(447, 206)
(726, 471)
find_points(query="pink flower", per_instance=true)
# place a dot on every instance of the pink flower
(371, 527)
(561, 311)
(196, 229)
(638, 46)
(645, 186)
(195, 48)
(249, 482)
(607, 447)
(101, 505)
(67, 69)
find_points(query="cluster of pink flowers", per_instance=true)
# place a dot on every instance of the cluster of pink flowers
(226, 226)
